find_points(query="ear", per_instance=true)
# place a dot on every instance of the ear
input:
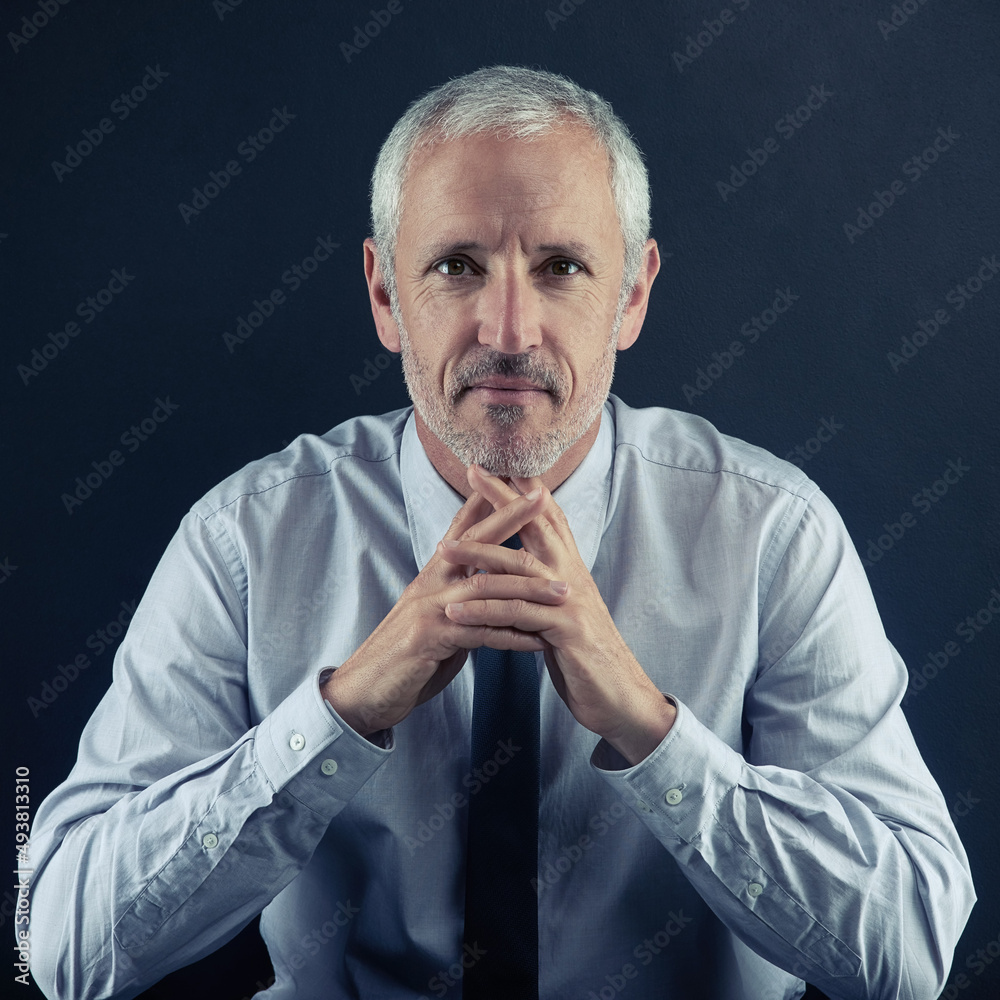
(385, 325)
(635, 311)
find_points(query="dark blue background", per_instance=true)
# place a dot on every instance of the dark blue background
(724, 260)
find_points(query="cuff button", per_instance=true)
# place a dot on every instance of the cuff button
(329, 766)
(674, 796)
(297, 742)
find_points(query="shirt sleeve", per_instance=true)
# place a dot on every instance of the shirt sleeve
(181, 821)
(828, 848)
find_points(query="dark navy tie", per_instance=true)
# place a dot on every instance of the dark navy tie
(501, 905)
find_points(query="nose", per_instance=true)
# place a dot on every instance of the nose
(509, 311)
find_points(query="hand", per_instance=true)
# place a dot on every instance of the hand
(416, 651)
(589, 662)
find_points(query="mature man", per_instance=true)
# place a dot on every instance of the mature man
(697, 783)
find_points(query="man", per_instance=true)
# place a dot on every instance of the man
(729, 800)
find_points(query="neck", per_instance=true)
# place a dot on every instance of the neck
(455, 475)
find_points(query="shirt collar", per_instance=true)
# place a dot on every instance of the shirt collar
(431, 503)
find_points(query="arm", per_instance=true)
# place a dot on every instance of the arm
(181, 820)
(828, 848)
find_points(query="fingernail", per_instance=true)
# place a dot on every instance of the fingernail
(558, 586)
(455, 609)
(450, 543)
(534, 494)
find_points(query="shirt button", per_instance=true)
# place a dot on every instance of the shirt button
(643, 806)
(329, 766)
(297, 742)
(210, 840)
(755, 889)
(673, 796)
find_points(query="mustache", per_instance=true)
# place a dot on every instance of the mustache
(508, 366)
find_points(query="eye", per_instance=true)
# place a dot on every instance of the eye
(453, 266)
(564, 268)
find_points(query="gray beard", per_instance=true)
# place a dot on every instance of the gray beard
(505, 450)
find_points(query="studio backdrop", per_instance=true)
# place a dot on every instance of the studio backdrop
(185, 195)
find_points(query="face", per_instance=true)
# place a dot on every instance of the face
(509, 267)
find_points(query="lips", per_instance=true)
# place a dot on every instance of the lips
(499, 382)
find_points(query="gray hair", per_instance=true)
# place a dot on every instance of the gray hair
(512, 102)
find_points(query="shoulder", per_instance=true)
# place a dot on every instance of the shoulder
(360, 446)
(684, 445)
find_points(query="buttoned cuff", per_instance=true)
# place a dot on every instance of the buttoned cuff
(305, 750)
(676, 790)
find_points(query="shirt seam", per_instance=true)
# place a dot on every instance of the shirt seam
(799, 492)
(284, 482)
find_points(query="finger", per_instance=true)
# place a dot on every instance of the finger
(502, 586)
(475, 508)
(500, 494)
(493, 487)
(552, 511)
(471, 512)
(506, 521)
(525, 616)
(494, 559)
(496, 638)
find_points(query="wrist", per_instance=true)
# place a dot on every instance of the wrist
(640, 736)
(335, 696)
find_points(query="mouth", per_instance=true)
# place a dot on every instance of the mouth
(496, 388)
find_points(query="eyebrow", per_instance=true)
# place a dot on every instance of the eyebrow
(569, 248)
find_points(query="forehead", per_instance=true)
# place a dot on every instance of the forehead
(553, 187)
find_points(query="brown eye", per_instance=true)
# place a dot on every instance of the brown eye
(564, 268)
(453, 265)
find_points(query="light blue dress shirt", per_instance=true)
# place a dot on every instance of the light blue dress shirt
(785, 829)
